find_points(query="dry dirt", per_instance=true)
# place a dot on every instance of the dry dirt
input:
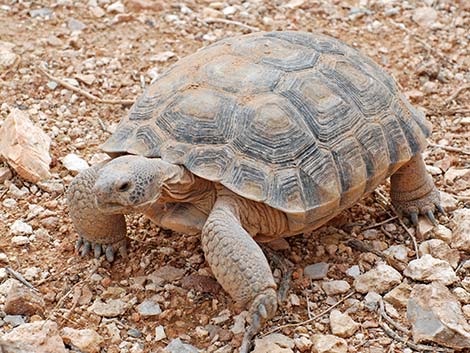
(427, 55)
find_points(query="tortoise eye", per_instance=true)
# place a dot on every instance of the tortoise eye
(124, 186)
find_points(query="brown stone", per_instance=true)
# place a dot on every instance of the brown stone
(23, 301)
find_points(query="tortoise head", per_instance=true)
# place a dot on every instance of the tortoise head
(130, 183)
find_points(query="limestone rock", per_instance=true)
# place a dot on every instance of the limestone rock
(379, 279)
(25, 147)
(428, 269)
(303, 343)
(159, 333)
(461, 234)
(149, 308)
(342, 325)
(399, 295)
(274, 343)
(88, 341)
(328, 344)
(335, 287)
(21, 228)
(425, 16)
(177, 346)
(316, 271)
(167, 273)
(437, 316)
(74, 163)
(443, 233)
(462, 295)
(23, 301)
(112, 308)
(38, 337)
(440, 250)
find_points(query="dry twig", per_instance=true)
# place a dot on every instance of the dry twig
(313, 318)
(457, 92)
(230, 22)
(450, 148)
(20, 278)
(83, 92)
(380, 223)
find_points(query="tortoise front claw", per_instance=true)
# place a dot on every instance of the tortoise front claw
(84, 247)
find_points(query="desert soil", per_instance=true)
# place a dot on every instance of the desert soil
(112, 51)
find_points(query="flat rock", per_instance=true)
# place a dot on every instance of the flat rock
(37, 337)
(177, 346)
(436, 316)
(399, 252)
(142, 5)
(329, 344)
(8, 58)
(23, 301)
(159, 333)
(149, 308)
(440, 250)
(168, 273)
(25, 147)
(274, 343)
(316, 271)
(461, 229)
(335, 287)
(399, 295)
(203, 284)
(111, 308)
(379, 279)
(342, 325)
(88, 341)
(428, 269)
(21, 228)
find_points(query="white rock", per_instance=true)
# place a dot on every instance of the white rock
(88, 341)
(176, 346)
(453, 174)
(239, 323)
(379, 279)
(74, 163)
(462, 295)
(461, 233)
(428, 269)
(117, 7)
(372, 300)
(399, 252)
(425, 16)
(20, 240)
(440, 250)
(21, 228)
(9, 203)
(159, 333)
(342, 325)
(112, 308)
(329, 344)
(229, 10)
(149, 308)
(274, 343)
(25, 147)
(353, 271)
(32, 273)
(433, 170)
(424, 227)
(335, 287)
(98, 158)
(443, 233)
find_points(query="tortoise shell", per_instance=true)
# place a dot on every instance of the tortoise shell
(299, 121)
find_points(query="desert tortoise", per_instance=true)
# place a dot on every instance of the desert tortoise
(250, 139)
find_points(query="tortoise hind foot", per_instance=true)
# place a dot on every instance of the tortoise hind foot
(413, 191)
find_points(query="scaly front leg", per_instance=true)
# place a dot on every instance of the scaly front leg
(97, 231)
(239, 265)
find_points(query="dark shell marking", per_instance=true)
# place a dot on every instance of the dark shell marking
(300, 121)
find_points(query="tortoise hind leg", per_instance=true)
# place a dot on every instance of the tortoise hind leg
(413, 191)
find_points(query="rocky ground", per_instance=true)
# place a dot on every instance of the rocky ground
(360, 284)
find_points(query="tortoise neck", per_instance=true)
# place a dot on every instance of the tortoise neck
(183, 186)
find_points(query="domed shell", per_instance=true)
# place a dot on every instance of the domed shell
(299, 121)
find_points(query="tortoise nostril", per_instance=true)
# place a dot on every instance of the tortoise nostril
(123, 187)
